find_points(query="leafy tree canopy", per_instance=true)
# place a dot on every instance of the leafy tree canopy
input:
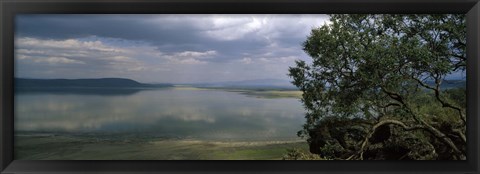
(384, 71)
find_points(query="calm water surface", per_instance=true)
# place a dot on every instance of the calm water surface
(166, 112)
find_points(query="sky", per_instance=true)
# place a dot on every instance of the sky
(163, 48)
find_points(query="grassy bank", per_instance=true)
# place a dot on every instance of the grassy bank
(274, 94)
(49, 147)
(260, 92)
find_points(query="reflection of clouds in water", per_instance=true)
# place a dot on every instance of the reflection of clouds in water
(188, 114)
(72, 112)
(59, 106)
(269, 108)
(74, 116)
(45, 104)
(245, 111)
(44, 125)
(59, 122)
(200, 113)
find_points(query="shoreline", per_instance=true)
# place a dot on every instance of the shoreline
(60, 147)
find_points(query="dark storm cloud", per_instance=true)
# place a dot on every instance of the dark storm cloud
(161, 47)
(173, 32)
(173, 35)
(129, 27)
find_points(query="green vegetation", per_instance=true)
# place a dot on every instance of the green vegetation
(274, 94)
(374, 88)
(254, 92)
(62, 147)
(299, 154)
(261, 93)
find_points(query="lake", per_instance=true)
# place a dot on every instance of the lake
(176, 113)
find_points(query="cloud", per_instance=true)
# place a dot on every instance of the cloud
(161, 48)
(190, 57)
(196, 54)
(59, 60)
(246, 60)
(226, 28)
(81, 57)
(50, 60)
(231, 34)
(189, 61)
(64, 44)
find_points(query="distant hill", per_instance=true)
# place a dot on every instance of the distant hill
(257, 83)
(93, 83)
(285, 84)
(448, 84)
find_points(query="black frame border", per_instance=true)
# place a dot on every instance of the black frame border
(9, 8)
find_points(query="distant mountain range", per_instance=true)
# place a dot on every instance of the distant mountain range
(285, 84)
(448, 84)
(128, 83)
(92, 83)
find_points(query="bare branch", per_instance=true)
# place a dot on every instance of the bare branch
(442, 137)
(381, 123)
(461, 134)
(391, 104)
(394, 96)
(460, 57)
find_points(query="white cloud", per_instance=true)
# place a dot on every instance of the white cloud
(137, 68)
(194, 54)
(189, 61)
(286, 60)
(246, 60)
(28, 42)
(120, 58)
(49, 60)
(227, 28)
(190, 57)
(23, 57)
(263, 59)
(27, 51)
(92, 56)
(58, 60)
(267, 27)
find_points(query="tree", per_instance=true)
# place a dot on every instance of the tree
(375, 83)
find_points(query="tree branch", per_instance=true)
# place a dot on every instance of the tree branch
(461, 134)
(376, 126)
(444, 103)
